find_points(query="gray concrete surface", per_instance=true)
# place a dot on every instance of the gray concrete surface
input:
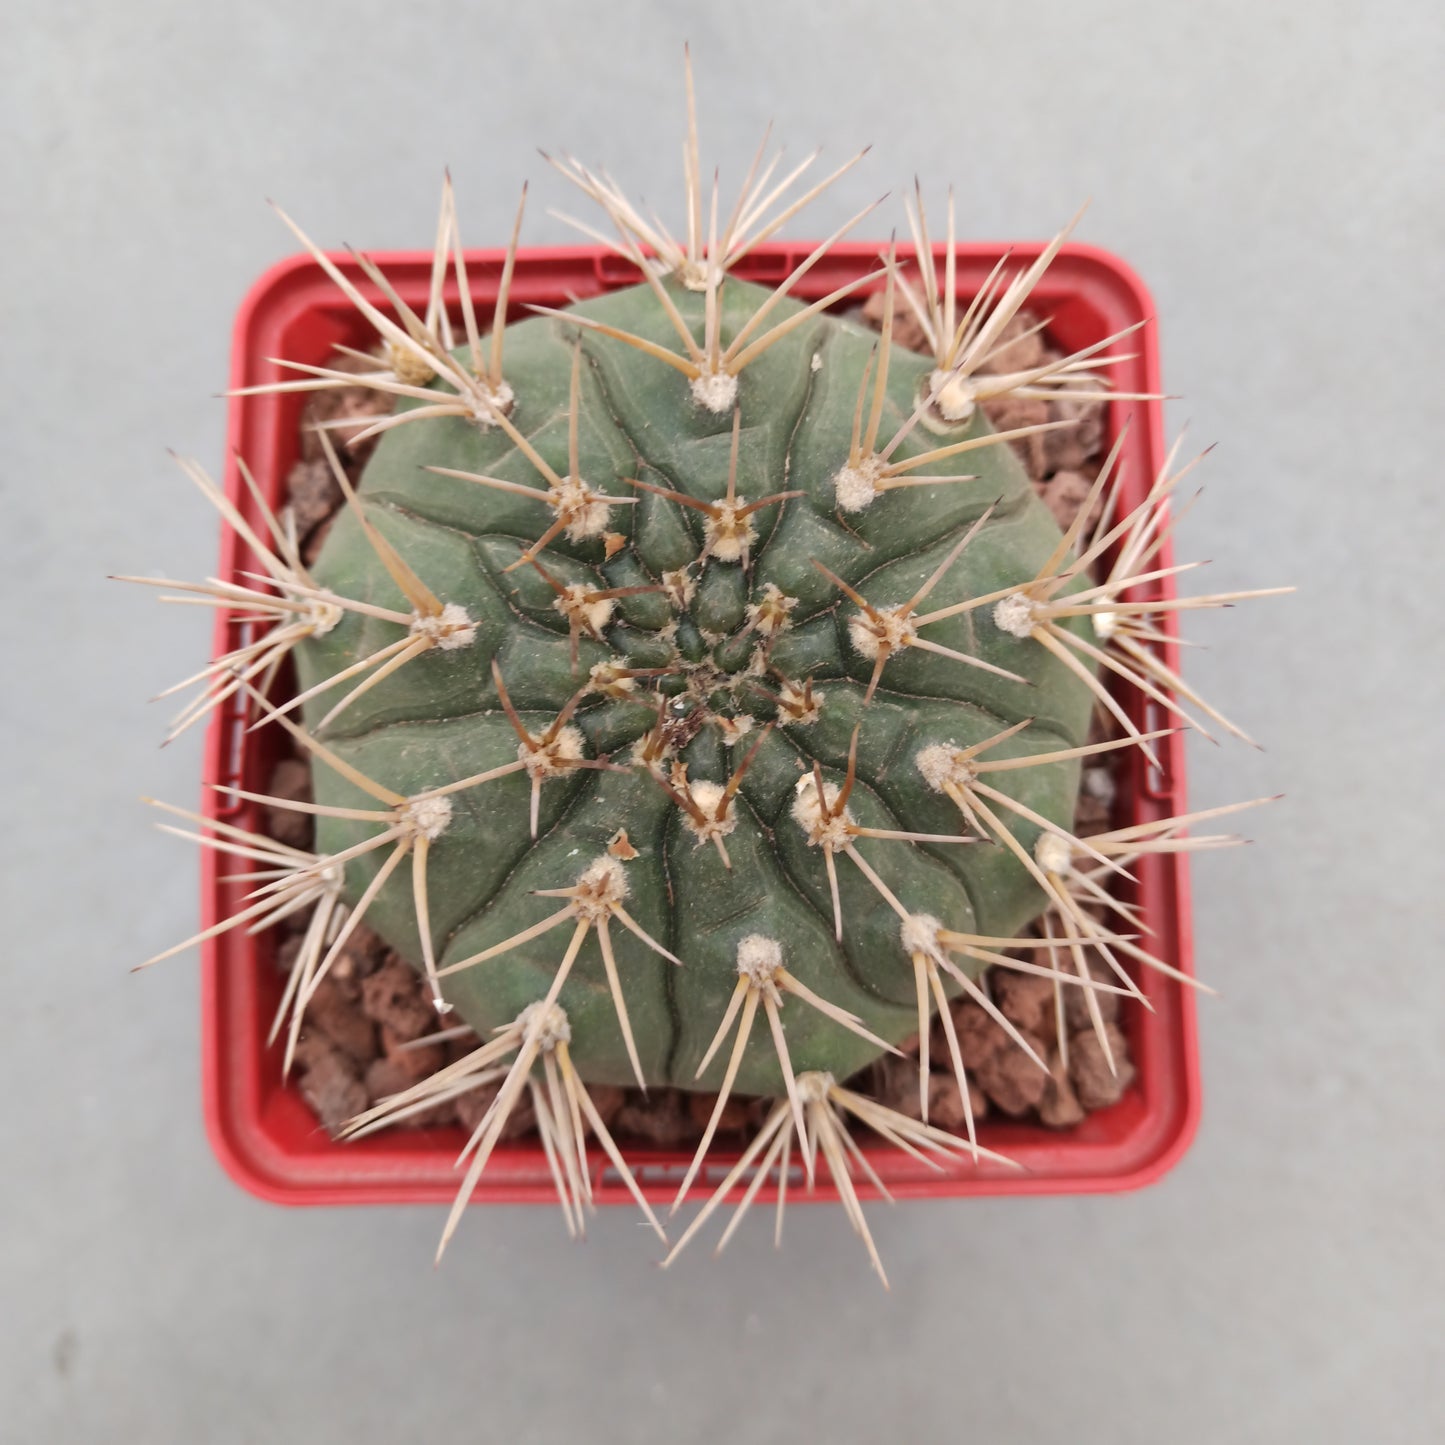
(1274, 171)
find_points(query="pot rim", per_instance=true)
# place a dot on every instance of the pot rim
(263, 1133)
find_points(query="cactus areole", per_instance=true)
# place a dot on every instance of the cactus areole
(659, 614)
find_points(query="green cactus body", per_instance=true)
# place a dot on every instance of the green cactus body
(440, 718)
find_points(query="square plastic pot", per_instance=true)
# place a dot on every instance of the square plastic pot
(261, 1129)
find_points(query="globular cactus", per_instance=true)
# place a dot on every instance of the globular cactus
(695, 653)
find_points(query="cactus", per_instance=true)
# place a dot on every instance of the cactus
(690, 653)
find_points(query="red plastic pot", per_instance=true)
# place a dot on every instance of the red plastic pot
(263, 1132)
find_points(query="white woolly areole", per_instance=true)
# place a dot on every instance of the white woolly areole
(802, 708)
(607, 677)
(556, 758)
(824, 827)
(499, 398)
(715, 390)
(855, 488)
(1052, 854)
(574, 603)
(770, 613)
(953, 395)
(940, 764)
(1106, 624)
(577, 504)
(919, 932)
(813, 1086)
(546, 1024)
(427, 816)
(759, 958)
(639, 758)
(891, 630)
(697, 275)
(450, 629)
(815, 363)
(322, 613)
(1014, 614)
(727, 533)
(602, 886)
(734, 729)
(707, 796)
(680, 585)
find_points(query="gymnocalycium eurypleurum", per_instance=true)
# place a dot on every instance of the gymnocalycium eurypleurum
(695, 653)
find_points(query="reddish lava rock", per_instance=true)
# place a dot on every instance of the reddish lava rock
(1064, 493)
(1011, 1079)
(1059, 1107)
(391, 997)
(351, 403)
(1095, 1085)
(1027, 1000)
(329, 1082)
(290, 779)
(661, 1118)
(314, 495)
(1077, 1018)
(471, 1108)
(333, 1013)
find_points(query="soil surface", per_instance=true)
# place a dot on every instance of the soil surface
(367, 1032)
